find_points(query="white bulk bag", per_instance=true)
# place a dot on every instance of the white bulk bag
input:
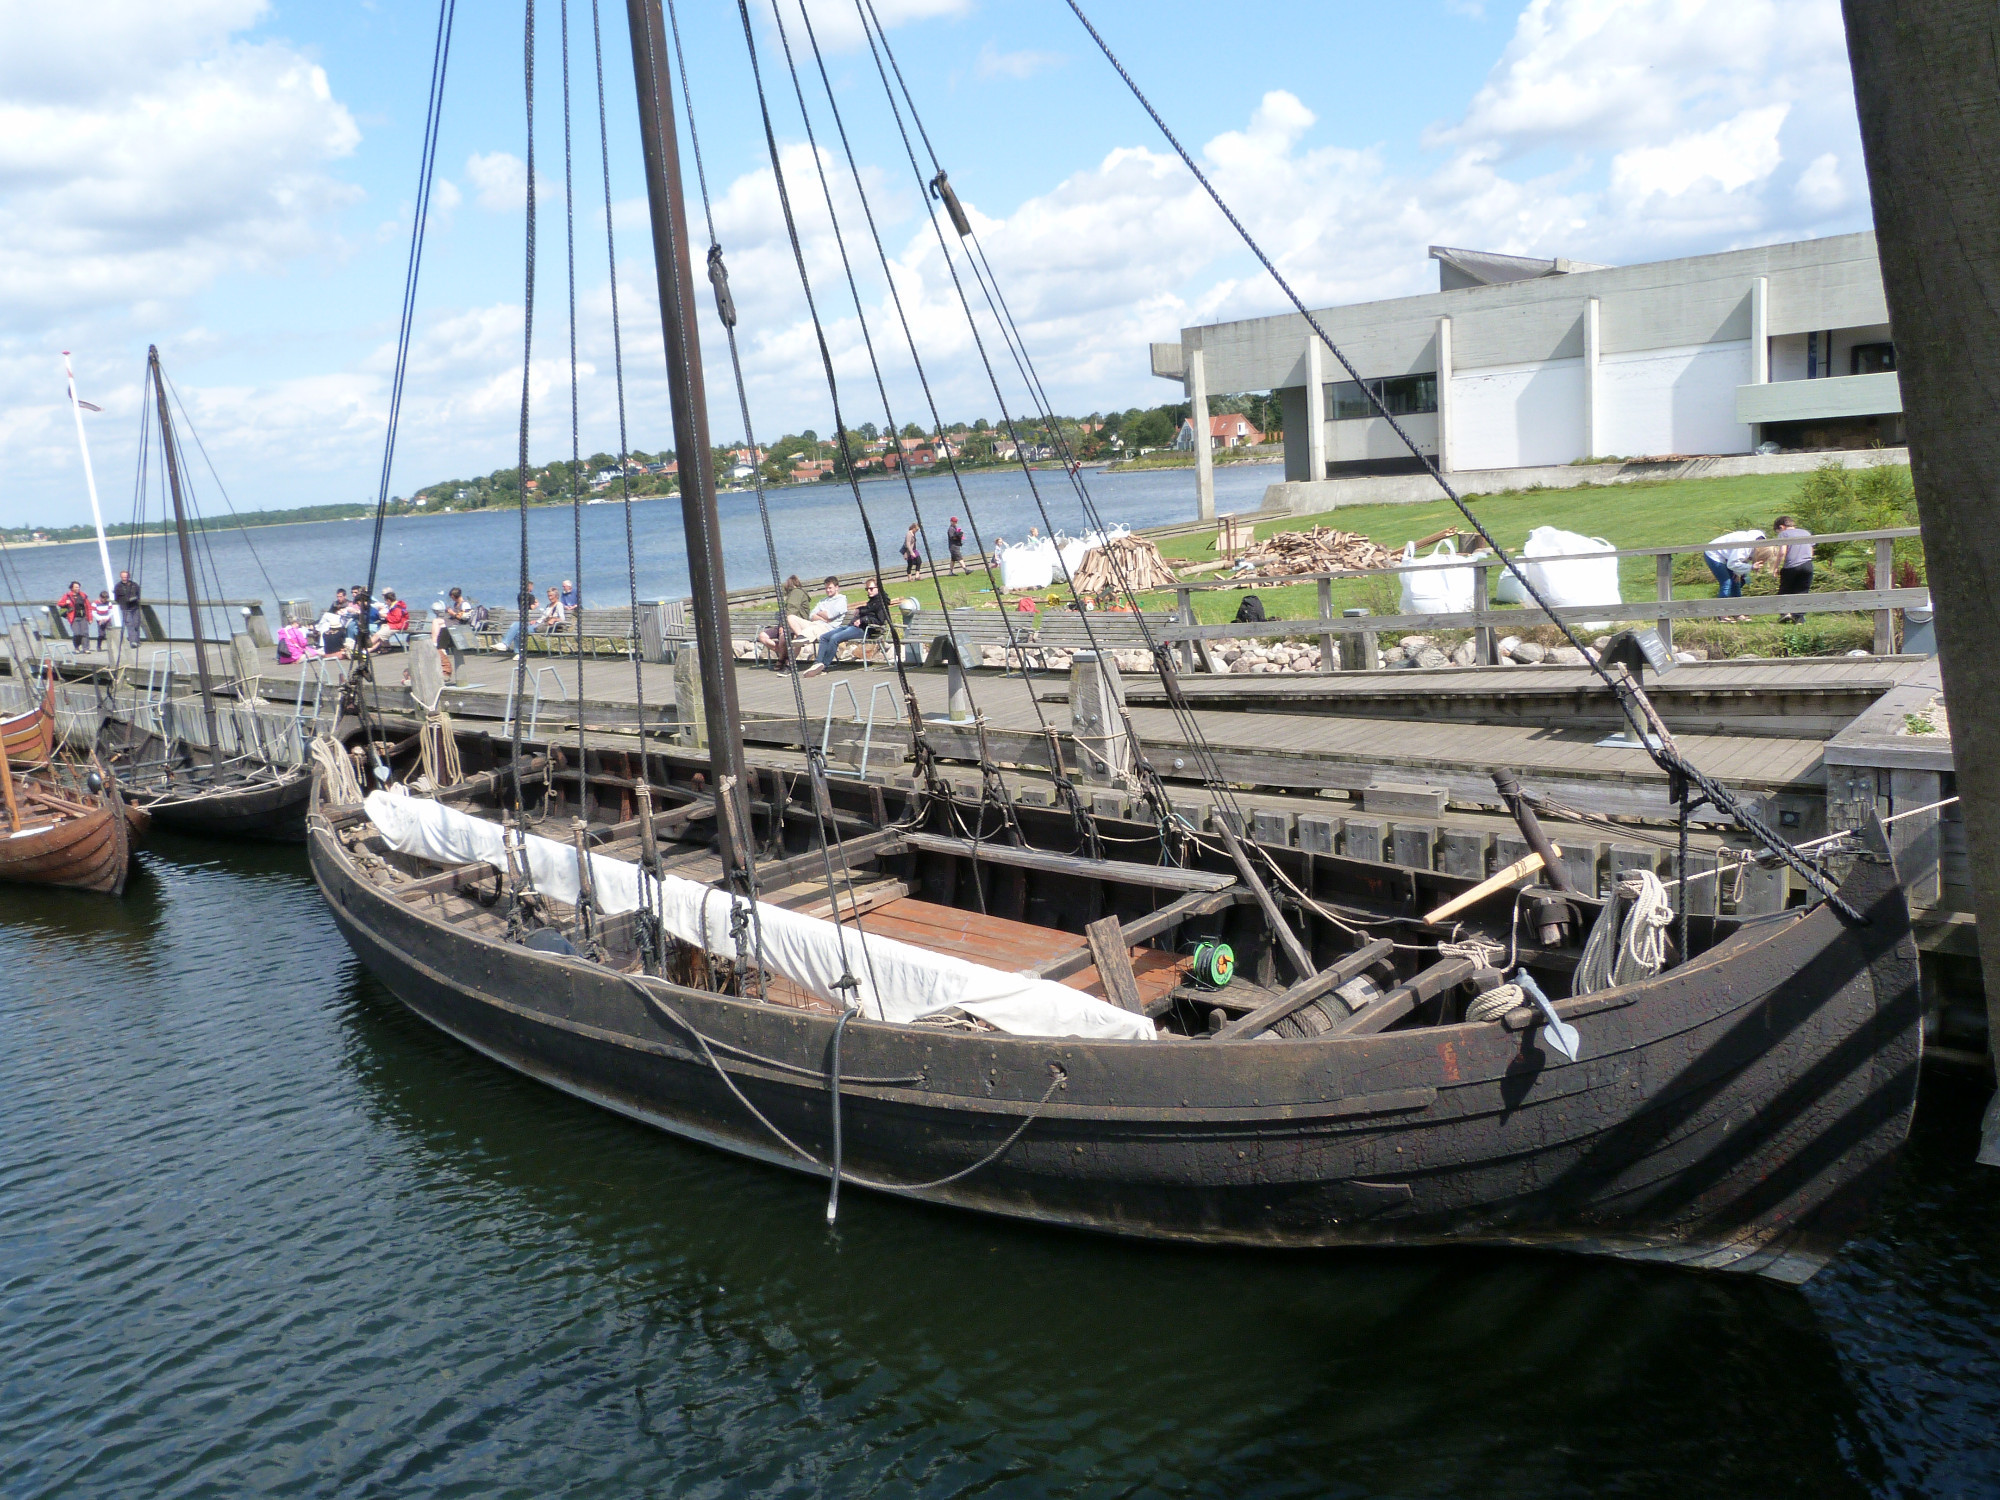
(1072, 550)
(1440, 589)
(1579, 581)
(1027, 565)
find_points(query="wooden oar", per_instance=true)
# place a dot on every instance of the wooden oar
(1499, 880)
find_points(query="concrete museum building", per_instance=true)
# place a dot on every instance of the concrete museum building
(1516, 363)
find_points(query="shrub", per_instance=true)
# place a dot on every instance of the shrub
(1832, 498)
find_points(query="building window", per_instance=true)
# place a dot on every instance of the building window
(1403, 395)
(1872, 359)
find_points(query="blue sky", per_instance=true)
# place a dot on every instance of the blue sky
(233, 179)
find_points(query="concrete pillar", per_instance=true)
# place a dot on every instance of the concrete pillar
(1760, 331)
(1444, 394)
(1315, 407)
(1591, 449)
(1204, 458)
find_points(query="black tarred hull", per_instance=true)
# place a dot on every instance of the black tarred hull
(275, 812)
(1728, 1115)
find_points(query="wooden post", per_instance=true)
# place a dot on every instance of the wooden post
(1184, 602)
(1885, 578)
(1664, 564)
(1329, 648)
(1486, 646)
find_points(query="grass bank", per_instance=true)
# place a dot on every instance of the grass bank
(1646, 514)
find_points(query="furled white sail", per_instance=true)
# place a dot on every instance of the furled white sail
(896, 981)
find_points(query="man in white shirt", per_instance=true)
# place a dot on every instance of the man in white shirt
(831, 610)
(1729, 558)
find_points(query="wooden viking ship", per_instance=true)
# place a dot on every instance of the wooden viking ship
(195, 788)
(833, 977)
(29, 738)
(64, 828)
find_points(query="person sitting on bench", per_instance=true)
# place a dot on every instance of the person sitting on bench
(873, 614)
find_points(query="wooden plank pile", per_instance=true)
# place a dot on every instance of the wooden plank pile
(1125, 562)
(1320, 550)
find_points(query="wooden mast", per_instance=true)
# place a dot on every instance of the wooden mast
(672, 264)
(187, 551)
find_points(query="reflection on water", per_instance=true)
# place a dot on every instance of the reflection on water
(268, 1232)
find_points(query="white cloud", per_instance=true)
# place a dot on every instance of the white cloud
(993, 63)
(499, 178)
(1732, 155)
(210, 165)
(1819, 189)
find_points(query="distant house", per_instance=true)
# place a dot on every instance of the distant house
(1230, 431)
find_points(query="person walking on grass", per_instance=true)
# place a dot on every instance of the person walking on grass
(954, 539)
(913, 557)
(1795, 573)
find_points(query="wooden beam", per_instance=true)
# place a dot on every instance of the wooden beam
(1497, 881)
(1405, 998)
(1139, 929)
(863, 899)
(784, 872)
(1307, 990)
(1159, 877)
(1114, 964)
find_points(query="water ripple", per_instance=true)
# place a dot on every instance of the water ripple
(266, 1232)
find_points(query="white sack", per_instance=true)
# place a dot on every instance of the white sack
(1439, 589)
(1027, 565)
(898, 981)
(1072, 550)
(1586, 580)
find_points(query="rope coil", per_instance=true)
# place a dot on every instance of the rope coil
(1624, 949)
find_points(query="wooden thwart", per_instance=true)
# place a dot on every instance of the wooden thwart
(1306, 991)
(1405, 998)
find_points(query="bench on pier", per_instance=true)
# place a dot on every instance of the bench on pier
(601, 632)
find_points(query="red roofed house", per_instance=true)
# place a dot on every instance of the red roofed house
(1229, 431)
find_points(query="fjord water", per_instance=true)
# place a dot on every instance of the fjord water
(264, 1232)
(815, 531)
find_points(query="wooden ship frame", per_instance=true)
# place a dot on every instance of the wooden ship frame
(703, 948)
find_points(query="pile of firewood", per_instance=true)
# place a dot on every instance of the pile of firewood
(1126, 562)
(1321, 550)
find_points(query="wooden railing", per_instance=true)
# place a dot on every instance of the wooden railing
(1488, 620)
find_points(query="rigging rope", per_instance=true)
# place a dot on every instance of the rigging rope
(426, 175)
(527, 378)
(1667, 759)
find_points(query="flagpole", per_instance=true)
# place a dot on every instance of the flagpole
(89, 478)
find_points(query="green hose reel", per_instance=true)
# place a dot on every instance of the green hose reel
(1214, 964)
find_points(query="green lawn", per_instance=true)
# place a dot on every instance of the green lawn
(1629, 515)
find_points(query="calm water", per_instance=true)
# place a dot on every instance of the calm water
(265, 1233)
(817, 531)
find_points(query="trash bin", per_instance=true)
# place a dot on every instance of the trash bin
(1920, 630)
(913, 650)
